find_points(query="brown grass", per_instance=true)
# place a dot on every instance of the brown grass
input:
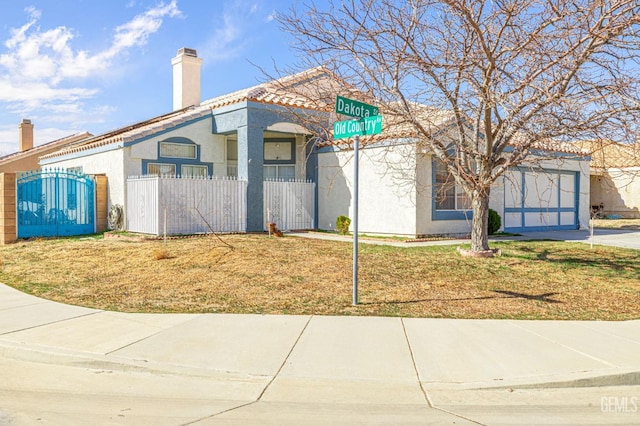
(538, 280)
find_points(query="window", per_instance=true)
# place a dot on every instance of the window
(178, 150)
(160, 169)
(448, 196)
(279, 159)
(278, 151)
(279, 171)
(232, 157)
(188, 170)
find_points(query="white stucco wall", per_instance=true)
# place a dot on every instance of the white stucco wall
(396, 195)
(109, 163)
(387, 202)
(619, 192)
(212, 147)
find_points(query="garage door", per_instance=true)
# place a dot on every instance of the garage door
(540, 200)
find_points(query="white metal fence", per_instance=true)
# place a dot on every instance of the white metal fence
(185, 205)
(290, 205)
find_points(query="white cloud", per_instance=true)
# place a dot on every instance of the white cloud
(41, 69)
(230, 38)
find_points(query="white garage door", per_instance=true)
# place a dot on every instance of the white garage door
(540, 200)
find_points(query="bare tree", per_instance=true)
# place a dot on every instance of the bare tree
(515, 75)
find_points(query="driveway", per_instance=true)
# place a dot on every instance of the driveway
(626, 238)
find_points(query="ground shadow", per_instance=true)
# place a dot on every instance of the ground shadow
(503, 294)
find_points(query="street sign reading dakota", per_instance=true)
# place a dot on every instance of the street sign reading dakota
(346, 106)
(364, 126)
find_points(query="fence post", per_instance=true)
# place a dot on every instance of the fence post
(102, 201)
(8, 222)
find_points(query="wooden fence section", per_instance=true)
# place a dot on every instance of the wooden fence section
(8, 228)
(290, 205)
(185, 205)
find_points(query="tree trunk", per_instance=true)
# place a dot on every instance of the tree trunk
(479, 228)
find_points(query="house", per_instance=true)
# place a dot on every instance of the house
(260, 133)
(615, 178)
(27, 156)
(404, 190)
(248, 134)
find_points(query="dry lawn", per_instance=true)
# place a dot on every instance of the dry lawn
(537, 280)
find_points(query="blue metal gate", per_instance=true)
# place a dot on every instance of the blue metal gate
(55, 203)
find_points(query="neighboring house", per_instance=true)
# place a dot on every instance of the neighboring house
(27, 156)
(615, 178)
(404, 190)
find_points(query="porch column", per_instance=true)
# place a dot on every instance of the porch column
(250, 168)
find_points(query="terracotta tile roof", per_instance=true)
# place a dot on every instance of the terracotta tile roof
(58, 143)
(314, 89)
(608, 154)
(135, 131)
(433, 120)
(298, 90)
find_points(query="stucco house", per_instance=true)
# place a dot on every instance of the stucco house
(615, 178)
(404, 190)
(253, 134)
(248, 134)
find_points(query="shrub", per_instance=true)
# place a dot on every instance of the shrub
(160, 254)
(494, 221)
(342, 224)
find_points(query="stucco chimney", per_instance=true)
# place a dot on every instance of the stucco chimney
(25, 135)
(186, 78)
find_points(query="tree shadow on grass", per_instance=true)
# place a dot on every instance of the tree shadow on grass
(590, 259)
(503, 294)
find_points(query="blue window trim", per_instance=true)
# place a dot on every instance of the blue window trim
(292, 141)
(559, 210)
(444, 214)
(178, 162)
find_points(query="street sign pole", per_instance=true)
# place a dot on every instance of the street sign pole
(356, 143)
(367, 121)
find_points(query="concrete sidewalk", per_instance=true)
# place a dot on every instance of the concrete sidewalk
(63, 364)
(610, 237)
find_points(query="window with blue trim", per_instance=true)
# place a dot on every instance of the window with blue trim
(280, 159)
(448, 195)
(177, 156)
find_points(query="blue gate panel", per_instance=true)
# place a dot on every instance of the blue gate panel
(55, 203)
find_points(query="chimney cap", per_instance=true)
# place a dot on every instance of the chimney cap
(187, 52)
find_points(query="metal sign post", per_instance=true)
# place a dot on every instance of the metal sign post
(367, 121)
(356, 143)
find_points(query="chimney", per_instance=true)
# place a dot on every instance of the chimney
(25, 135)
(186, 78)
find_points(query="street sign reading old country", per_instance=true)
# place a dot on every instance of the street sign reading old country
(361, 127)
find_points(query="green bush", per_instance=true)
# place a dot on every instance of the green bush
(342, 224)
(494, 221)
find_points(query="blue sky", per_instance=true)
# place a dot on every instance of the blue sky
(85, 65)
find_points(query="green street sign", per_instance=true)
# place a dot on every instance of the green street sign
(346, 106)
(361, 127)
